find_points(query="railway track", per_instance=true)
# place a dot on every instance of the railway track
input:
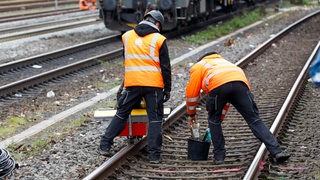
(22, 28)
(28, 72)
(14, 33)
(54, 151)
(12, 11)
(131, 162)
(32, 15)
(7, 6)
(300, 134)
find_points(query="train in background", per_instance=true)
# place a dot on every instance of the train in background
(122, 15)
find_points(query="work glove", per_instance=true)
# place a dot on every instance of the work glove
(191, 120)
(119, 93)
(166, 96)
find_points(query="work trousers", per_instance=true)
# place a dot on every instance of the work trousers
(238, 94)
(154, 106)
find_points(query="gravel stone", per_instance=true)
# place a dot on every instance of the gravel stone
(74, 155)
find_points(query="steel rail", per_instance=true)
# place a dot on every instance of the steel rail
(6, 67)
(7, 3)
(49, 29)
(269, 42)
(55, 73)
(34, 5)
(115, 161)
(10, 18)
(43, 24)
(294, 92)
(110, 165)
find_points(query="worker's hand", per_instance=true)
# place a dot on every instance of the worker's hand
(119, 93)
(191, 120)
(166, 96)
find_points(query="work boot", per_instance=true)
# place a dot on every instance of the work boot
(219, 158)
(281, 157)
(104, 152)
(155, 160)
(217, 162)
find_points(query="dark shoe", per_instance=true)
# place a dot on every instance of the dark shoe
(281, 157)
(104, 152)
(217, 162)
(155, 160)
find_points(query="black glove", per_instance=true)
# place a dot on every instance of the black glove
(118, 95)
(166, 96)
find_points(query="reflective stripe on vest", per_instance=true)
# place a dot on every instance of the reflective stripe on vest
(222, 70)
(142, 64)
(207, 79)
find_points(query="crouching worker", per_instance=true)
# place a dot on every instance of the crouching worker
(147, 75)
(225, 83)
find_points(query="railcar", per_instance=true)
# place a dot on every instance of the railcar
(122, 15)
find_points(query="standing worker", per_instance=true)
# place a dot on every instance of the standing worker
(225, 83)
(147, 75)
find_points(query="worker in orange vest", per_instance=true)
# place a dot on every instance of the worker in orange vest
(84, 5)
(147, 75)
(225, 84)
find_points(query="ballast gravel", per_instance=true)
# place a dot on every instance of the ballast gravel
(73, 153)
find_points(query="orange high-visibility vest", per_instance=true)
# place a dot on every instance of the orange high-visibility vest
(83, 5)
(142, 63)
(209, 73)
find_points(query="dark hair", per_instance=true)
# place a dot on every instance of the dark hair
(207, 54)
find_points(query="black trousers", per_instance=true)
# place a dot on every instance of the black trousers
(238, 94)
(154, 106)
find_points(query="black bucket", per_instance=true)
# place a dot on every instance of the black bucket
(198, 150)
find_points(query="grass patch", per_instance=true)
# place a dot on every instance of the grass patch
(34, 145)
(113, 63)
(303, 2)
(108, 85)
(317, 175)
(213, 32)
(11, 125)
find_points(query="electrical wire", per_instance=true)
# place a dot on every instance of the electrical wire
(7, 163)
